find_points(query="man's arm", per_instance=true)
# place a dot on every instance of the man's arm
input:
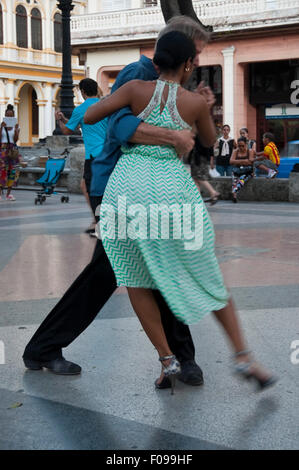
(183, 140)
(129, 128)
(260, 156)
(62, 121)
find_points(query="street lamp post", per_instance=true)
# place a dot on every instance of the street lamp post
(66, 86)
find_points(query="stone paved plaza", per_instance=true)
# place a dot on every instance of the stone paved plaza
(113, 404)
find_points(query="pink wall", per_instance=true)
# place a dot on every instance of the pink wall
(275, 46)
(270, 48)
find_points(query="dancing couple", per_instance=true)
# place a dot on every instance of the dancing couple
(189, 280)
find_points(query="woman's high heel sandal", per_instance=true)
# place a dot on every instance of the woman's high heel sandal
(171, 370)
(243, 369)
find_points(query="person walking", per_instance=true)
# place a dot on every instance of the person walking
(9, 154)
(223, 150)
(199, 161)
(189, 278)
(93, 136)
(242, 166)
(94, 286)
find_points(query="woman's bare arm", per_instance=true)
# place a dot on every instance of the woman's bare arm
(103, 108)
(233, 160)
(248, 161)
(251, 156)
(243, 161)
(16, 133)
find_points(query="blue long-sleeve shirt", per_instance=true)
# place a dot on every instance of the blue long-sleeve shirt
(121, 126)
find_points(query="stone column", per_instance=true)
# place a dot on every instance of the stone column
(47, 23)
(92, 6)
(228, 87)
(41, 118)
(10, 24)
(49, 121)
(10, 90)
(3, 98)
(5, 22)
(2, 108)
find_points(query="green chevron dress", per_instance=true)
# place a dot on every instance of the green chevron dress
(175, 254)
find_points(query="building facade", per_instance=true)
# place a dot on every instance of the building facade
(30, 64)
(251, 63)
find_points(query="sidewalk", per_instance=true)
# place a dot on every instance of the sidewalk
(113, 404)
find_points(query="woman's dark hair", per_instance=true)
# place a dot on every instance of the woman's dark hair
(242, 139)
(9, 107)
(89, 86)
(172, 50)
(244, 129)
(225, 125)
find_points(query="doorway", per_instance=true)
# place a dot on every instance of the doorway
(28, 116)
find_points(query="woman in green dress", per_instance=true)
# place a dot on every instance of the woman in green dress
(176, 257)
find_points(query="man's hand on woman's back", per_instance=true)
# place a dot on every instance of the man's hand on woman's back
(184, 141)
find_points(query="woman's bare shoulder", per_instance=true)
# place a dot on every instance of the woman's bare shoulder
(191, 105)
(140, 83)
(194, 98)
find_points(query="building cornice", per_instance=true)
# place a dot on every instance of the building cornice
(129, 26)
(217, 36)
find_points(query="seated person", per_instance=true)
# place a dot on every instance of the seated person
(242, 166)
(268, 161)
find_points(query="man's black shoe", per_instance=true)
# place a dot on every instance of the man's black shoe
(191, 373)
(58, 366)
(165, 383)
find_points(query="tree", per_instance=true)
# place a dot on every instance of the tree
(172, 8)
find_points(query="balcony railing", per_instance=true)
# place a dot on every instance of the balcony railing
(209, 11)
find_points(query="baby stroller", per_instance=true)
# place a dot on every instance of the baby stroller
(53, 170)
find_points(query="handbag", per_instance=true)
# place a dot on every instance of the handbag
(12, 153)
(242, 170)
(214, 173)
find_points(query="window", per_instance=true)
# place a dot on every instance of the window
(57, 32)
(116, 5)
(21, 23)
(1, 25)
(36, 29)
(150, 3)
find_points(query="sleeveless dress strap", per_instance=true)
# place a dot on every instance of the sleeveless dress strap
(172, 106)
(154, 102)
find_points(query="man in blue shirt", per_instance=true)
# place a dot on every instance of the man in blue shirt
(94, 286)
(93, 135)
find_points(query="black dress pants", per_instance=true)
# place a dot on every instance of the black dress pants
(82, 302)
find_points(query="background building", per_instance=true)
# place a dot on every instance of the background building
(30, 63)
(251, 63)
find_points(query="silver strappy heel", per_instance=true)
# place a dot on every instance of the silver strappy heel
(243, 370)
(171, 370)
